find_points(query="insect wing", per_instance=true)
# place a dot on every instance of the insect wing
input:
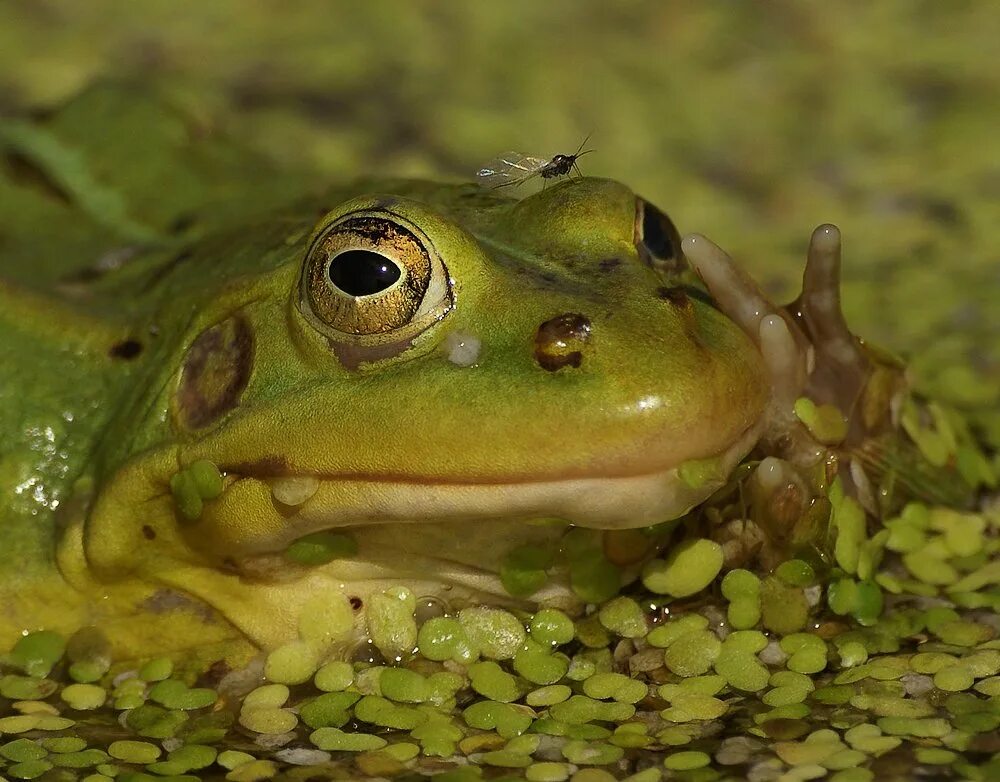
(510, 168)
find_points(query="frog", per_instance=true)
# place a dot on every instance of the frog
(235, 397)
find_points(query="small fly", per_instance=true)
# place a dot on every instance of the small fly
(513, 168)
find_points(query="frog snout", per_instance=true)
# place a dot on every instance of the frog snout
(562, 341)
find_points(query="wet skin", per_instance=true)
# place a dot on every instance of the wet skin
(196, 379)
(594, 374)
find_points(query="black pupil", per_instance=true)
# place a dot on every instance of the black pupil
(362, 272)
(659, 234)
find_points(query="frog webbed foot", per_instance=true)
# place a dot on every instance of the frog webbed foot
(840, 368)
(819, 370)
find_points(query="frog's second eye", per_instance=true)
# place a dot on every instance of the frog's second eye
(657, 239)
(372, 275)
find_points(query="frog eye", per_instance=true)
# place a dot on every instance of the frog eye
(370, 275)
(657, 238)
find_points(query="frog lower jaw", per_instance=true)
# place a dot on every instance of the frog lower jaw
(249, 519)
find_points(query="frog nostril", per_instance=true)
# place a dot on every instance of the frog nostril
(559, 341)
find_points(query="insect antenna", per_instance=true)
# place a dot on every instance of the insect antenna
(580, 152)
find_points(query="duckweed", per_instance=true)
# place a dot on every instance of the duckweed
(329, 709)
(444, 638)
(593, 578)
(334, 739)
(687, 704)
(523, 570)
(547, 696)
(174, 694)
(579, 709)
(37, 653)
(502, 717)
(268, 720)
(614, 686)
(381, 711)
(390, 621)
(839, 681)
(591, 753)
(84, 697)
(21, 750)
(551, 626)
(498, 634)
(742, 589)
(491, 681)
(692, 654)
(689, 567)
(784, 608)
(157, 669)
(334, 676)
(547, 772)
(292, 663)
(134, 751)
(685, 761)
(623, 616)
(404, 686)
(319, 548)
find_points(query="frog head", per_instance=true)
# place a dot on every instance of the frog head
(436, 373)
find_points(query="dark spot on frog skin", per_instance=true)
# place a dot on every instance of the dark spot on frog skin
(353, 356)
(357, 603)
(148, 532)
(675, 296)
(183, 223)
(270, 466)
(215, 372)
(166, 600)
(681, 295)
(126, 350)
(700, 295)
(84, 276)
(679, 300)
(559, 341)
(609, 264)
(162, 271)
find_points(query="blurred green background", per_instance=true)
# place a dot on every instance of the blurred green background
(750, 122)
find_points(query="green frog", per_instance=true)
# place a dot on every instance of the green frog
(235, 398)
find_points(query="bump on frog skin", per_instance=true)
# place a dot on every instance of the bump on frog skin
(560, 341)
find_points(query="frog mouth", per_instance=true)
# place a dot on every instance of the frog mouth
(436, 537)
(446, 541)
(260, 512)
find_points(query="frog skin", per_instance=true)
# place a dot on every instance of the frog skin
(541, 362)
